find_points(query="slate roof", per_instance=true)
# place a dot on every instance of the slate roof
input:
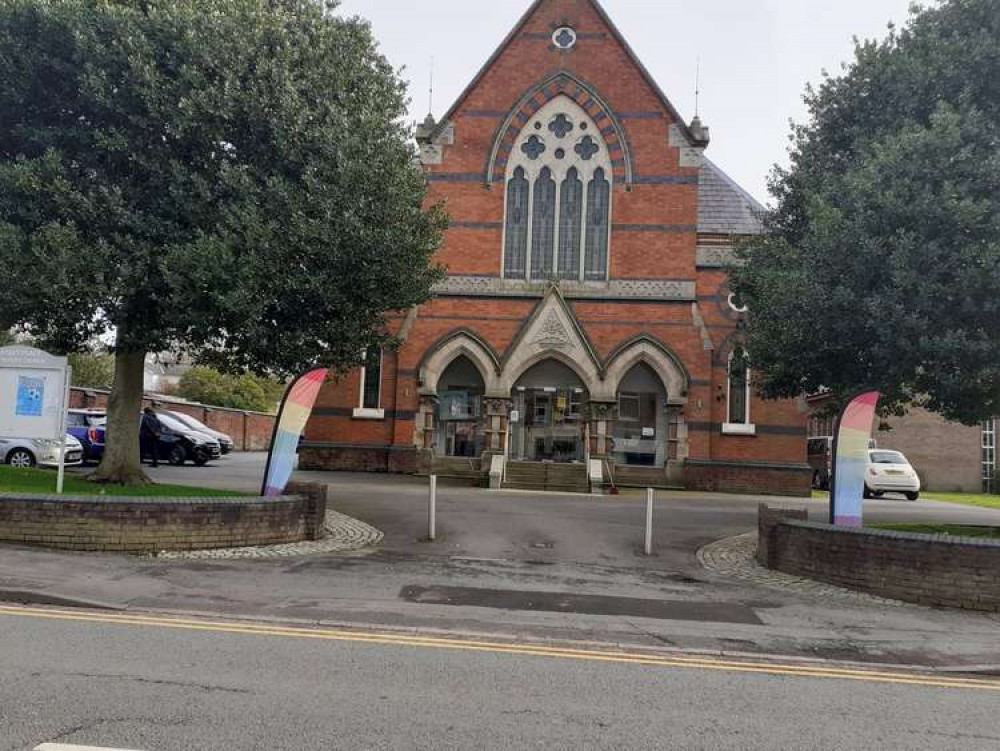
(723, 206)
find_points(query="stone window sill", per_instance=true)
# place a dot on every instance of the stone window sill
(368, 414)
(732, 428)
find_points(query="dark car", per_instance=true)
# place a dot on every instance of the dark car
(87, 426)
(178, 443)
(225, 442)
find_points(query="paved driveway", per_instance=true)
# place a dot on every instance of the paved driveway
(550, 527)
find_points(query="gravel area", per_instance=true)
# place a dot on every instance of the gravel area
(341, 534)
(736, 557)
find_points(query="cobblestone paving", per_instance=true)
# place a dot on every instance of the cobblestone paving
(736, 557)
(340, 534)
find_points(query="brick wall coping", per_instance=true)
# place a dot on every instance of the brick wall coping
(166, 399)
(756, 464)
(149, 500)
(892, 534)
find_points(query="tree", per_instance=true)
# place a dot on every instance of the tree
(92, 369)
(226, 178)
(881, 263)
(246, 391)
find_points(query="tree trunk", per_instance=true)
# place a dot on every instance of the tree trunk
(121, 463)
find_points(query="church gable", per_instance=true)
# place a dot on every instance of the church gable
(560, 47)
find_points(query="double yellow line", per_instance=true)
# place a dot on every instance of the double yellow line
(803, 670)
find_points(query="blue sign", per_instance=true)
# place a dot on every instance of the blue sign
(30, 396)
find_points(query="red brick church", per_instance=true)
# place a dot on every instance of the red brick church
(585, 333)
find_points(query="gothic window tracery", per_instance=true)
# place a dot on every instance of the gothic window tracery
(558, 198)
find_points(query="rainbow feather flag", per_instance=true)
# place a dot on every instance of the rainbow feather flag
(292, 418)
(850, 459)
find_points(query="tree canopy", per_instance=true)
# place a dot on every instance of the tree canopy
(92, 369)
(246, 391)
(881, 262)
(227, 178)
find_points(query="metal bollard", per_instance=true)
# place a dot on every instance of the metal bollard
(650, 494)
(432, 510)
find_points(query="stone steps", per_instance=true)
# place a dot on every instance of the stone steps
(567, 478)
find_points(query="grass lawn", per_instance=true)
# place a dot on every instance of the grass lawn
(967, 499)
(44, 481)
(958, 530)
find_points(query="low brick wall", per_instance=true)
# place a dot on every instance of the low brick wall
(940, 570)
(758, 478)
(151, 525)
(403, 460)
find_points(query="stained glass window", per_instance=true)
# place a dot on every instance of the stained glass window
(516, 248)
(598, 197)
(543, 230)
(570, 216)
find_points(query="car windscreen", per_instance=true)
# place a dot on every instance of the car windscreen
(887, 457)
(189, 421)
(172, 423)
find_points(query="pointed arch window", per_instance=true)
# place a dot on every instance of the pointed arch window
(570, 213)
(738, 395)
(543, 224)
(560, 167)
(598, 210)
(516, 235)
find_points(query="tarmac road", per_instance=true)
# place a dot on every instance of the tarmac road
(97, 680)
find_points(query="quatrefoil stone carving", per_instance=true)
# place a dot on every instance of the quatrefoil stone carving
(586, 148)
(533, 148)
(561, 125)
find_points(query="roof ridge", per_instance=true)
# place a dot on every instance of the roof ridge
(616, 33)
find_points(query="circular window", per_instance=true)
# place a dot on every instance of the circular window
(560, 153)
(736, 303)
(564, 37)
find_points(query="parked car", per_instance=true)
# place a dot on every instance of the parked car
(819, 452)
(890, 472)
(39, 452)
(179, 443)
(225, 442)
(87, 426)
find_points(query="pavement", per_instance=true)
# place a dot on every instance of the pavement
(550, 567)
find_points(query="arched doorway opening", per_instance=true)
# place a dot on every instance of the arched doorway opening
(550, 403)
(460, 392)
(645, 435)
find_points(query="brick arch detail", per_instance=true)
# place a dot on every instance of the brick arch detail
(459, 343)
(668, 367)
(566, 84)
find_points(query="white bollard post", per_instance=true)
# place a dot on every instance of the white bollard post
(432, 510)
(649, 520)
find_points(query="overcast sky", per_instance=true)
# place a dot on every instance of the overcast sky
(756, 57)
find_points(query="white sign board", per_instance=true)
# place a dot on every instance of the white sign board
(33, 386)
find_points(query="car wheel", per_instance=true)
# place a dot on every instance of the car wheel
(200, 457)
(177, 455)
(868, 492)
(878, 493)
(912, 496)
(21, 458)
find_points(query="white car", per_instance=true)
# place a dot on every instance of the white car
(890, 472)
(40, 452)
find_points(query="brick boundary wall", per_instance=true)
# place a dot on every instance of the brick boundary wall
(149, 525)
(760, 478)
(250, 431)
(937, 570)
(405, 460)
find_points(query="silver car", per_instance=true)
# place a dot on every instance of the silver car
(39, 452)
